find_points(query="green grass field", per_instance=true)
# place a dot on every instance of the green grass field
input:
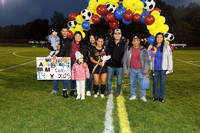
(27, 106)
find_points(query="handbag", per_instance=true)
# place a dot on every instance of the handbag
(145, 84)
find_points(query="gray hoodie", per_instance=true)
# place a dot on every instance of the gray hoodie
(144, 59)
(167, 60)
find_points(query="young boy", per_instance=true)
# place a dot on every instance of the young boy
(54, 41)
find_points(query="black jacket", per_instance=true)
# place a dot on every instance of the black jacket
(90, 64)
(117, 53)
(66, 49)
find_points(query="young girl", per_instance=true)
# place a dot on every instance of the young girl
(99, 68)
(136, 65)
(79, 73)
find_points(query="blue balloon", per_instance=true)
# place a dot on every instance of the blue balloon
(143, 1)
(126, 22)
(143, 15)
(119, 12)
(151, 39)
(86, 25)
(88, 1)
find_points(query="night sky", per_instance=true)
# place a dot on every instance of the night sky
(23, 11)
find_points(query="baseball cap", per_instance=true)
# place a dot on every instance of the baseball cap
(117, 31)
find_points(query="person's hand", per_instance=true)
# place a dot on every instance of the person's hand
(126, 74)
(54, 56)
(58, 47)
(152, 59)
(170, 71)
(100, 63)
(84, 65)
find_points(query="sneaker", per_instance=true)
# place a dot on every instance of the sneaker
(95, 95)
(83, 98)
(65, 94)
(144, 99)
(117, 95)
(161, 100)
(102, 96)
(49, 56)
(108, 93)
(88, 93)
(53, 92)
(155, 99)
(78, 97)
(133, 98)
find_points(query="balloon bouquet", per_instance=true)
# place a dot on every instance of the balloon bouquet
(143, 11)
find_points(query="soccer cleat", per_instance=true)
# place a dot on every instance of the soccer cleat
(95, 95)
(133, 98)
(143, 99)
(102, 96)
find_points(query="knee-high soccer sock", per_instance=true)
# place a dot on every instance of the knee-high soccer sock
(103, 88)
(96, 88)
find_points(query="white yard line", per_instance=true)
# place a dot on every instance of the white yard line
(187, 62)
(108, 123)
(16, 66)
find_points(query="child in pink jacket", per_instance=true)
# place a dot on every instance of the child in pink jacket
(80, 74)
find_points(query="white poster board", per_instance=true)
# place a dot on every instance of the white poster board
(57, 68)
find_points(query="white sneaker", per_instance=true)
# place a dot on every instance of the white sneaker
(78, 97)
(49, 56)
(133, 98)
(102, 96)
(83, 98)
(88, 93)
(95, 96)
(53, 92)
(144, 99)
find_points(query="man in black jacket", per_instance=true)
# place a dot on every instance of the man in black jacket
(116, 47)
(68, 49)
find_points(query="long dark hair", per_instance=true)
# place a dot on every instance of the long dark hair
(155, 42)
(78, 32)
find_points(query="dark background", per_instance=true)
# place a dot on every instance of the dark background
(183, 20)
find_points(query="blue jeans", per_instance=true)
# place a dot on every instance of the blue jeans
(156, 74)
(134, 74)
(111, 71)
(89, 82)
(65, 83)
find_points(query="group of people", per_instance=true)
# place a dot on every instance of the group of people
(87, 62)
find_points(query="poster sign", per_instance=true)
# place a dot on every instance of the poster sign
(56, 68)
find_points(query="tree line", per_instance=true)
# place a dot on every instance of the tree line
(183, 21)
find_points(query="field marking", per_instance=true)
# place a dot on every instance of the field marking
(6, 53)
(16, 66)
(122, 114)
(15, 54)
(108, 123)
(188, 62)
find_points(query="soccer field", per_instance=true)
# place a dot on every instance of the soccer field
(27, 106)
